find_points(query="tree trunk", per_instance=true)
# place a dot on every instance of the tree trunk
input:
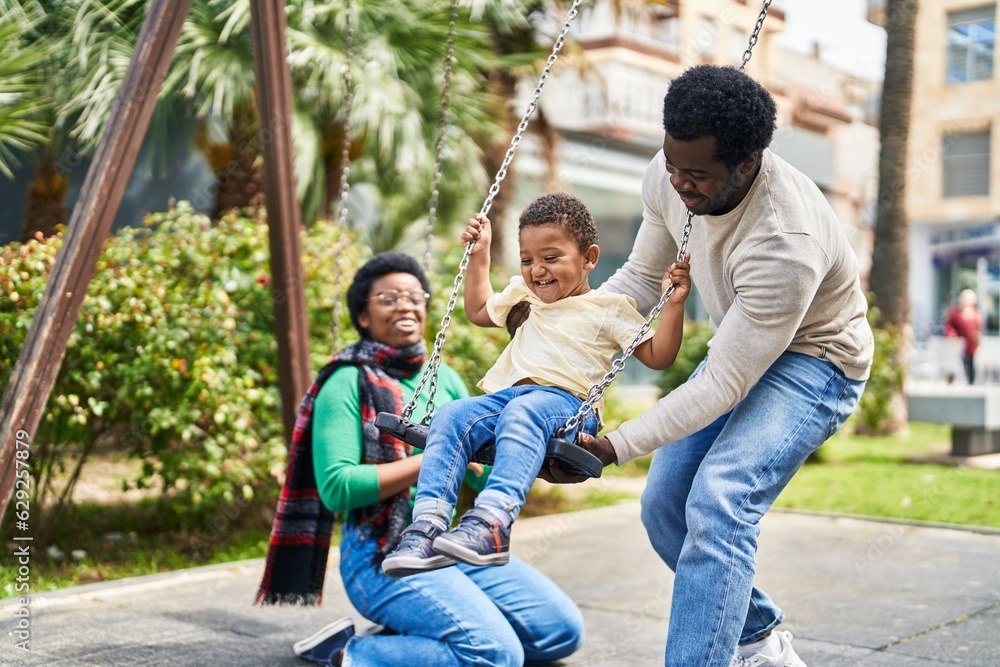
(236, 163)
(239, 178)
(889, 281)
(890, 255)
(46, 205)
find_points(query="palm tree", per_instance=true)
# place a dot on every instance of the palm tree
(22, 98)
(890, 254)
(399, 46)
(88, 46)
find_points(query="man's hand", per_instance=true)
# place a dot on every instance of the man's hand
(598, 446)
(517, 316)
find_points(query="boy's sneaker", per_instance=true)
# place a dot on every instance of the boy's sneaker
(777, 653)
(479, 539)
(415, 553)
(324, 646)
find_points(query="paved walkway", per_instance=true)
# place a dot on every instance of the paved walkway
(855, 593)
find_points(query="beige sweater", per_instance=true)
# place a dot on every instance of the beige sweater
(777, 273)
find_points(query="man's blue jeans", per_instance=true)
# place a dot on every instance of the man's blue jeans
(520, 419)
(705, 496)
(456, 616)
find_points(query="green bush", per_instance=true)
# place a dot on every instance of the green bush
(877, 408)
(694, 348)
(174, 357)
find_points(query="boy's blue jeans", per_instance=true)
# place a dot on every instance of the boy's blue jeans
(520, 419)
(705, 496)
(456, 616)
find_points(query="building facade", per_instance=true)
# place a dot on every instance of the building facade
(953, 178)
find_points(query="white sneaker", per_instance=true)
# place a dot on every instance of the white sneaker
(785, 657)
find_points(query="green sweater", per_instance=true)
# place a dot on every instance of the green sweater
(344, 482)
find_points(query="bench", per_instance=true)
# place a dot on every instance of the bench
(973, 411)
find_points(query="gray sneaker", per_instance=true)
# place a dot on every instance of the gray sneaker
(786, 657)
(479, 539)
(415, 553)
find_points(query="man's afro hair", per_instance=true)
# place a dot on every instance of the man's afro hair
(724, 103)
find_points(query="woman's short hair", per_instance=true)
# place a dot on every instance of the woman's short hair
(380, 265)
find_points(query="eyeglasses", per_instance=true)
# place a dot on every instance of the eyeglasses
(391, 297)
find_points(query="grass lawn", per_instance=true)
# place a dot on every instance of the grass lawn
(902, 477)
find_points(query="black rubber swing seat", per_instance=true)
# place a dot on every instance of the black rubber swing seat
(573, 459)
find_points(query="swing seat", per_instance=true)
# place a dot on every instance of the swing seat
(573, 459)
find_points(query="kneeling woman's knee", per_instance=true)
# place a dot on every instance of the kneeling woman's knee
(501, 648)
(562, 637)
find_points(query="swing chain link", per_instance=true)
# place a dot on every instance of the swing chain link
(431, 367)
(755, 35)
(597, 391)
(345, 152)
(345, 162)
(449, 59)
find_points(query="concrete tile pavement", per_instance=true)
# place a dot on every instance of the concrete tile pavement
(855, 593)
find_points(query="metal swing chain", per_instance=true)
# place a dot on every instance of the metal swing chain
(449, 59)
(431, 367)
(597, 391)
(755, 35)
(345, 161)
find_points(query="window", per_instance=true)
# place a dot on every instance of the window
(706, 38)
(971, 36)
(966, 164)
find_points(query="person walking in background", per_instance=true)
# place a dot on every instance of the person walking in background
(965, 321)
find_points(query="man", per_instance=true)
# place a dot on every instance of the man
(789, 359)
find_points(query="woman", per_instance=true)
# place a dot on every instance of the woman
(461, 615)
(966, 322)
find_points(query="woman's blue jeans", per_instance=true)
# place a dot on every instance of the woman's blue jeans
(519, 419)
(456, 616)
(705, 496)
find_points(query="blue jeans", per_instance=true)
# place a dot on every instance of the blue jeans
(705, 496)
(456, 616)
(520, 419)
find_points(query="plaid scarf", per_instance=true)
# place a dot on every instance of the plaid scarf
(300, 537)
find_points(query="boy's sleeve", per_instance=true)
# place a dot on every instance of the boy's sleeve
(627, 323)
(499, 307)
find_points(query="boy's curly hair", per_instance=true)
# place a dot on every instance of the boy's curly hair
(564, 209)
(721, 102)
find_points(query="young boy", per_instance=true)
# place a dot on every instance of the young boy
(564, 347)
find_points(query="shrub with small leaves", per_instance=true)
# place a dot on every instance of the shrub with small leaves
(174, 357)
(876, 413)
(694, 348)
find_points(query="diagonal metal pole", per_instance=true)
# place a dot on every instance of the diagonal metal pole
(274, 99)
(41, 356)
